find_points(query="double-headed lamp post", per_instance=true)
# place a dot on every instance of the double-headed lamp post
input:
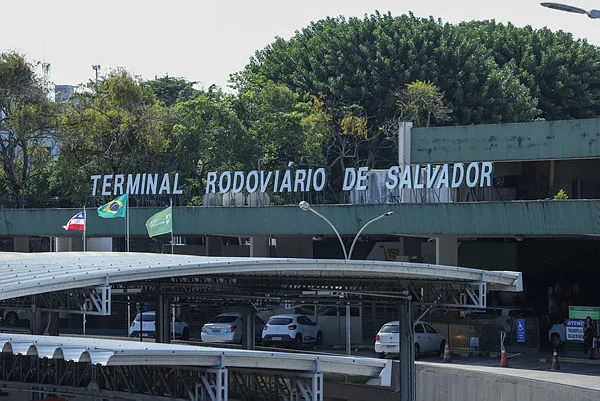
(347, 255)
(572, 9)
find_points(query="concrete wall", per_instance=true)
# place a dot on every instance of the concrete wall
(438, 382)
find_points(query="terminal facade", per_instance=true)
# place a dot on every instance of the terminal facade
(519, 222)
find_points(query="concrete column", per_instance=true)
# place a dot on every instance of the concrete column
(446, 250)
(101, 244)
(249, 341)
(214, 246)
(162, 322)
(63, 244)
(259, 246)
(404, 137)
(294, 247)
(21, 244)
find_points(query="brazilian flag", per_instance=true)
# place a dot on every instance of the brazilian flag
(114, 208)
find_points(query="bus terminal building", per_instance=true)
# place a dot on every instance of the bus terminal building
(470, 196)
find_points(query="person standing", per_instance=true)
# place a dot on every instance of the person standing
(589, 332)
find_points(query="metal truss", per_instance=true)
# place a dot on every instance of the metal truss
(83, 381)
(462, 295)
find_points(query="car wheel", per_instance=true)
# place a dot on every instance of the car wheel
(298, 341)
(555, 340)
(319, 340)
(417, 350)
(381, 355)
(11, 319)
(442, 347)
(186, 334)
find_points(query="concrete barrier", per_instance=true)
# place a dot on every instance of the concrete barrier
(440, 382)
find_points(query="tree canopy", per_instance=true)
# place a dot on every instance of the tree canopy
(330, 96)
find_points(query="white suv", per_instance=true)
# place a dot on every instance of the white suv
(294, 330)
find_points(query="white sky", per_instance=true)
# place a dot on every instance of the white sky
(206, 40)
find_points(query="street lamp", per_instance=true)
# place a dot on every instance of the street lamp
(306, 206)
(572, 9)
(386, 214)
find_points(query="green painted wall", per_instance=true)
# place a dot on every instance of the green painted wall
(571, 217)
(540, 140)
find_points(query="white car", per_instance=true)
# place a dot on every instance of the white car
(294, 330)
(229, 328)
(427, 339)
(147, 322)
(557, 335)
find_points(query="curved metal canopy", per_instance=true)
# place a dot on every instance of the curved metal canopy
(121, 353)
(24, 274)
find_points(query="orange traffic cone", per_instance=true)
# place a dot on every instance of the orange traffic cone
(503, 360)
(555, 365)
(447, 355)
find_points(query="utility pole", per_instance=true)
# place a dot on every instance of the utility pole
(96, 68)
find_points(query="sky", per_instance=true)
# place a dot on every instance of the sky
(205, 41)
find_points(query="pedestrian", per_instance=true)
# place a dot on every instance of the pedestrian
(589, 332)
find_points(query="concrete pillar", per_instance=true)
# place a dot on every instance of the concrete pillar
(446, 250)
(259, 246)
(404, 138)
(68, 244)
(162, 322)
(294, 247)
(21, 244)
(214, 246)
(99, 244)
(249, 342)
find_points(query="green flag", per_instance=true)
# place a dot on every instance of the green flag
(160, 223)
(115, 208)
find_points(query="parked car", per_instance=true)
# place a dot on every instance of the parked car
(500, 316)
(229, 328)
(291, 330)
(557, 335)
(147, 322)
(427, 339)
(13, 317)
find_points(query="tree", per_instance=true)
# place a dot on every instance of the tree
(420, 101)
(27, 139)
(115, 126)
(170, 90)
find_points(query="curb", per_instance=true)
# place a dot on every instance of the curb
(572, 360)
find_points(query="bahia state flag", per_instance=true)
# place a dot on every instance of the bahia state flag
(114, 208)
(76, 223)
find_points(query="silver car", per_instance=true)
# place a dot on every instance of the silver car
(427, 339)
(229, 328)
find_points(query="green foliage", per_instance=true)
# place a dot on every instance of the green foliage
(561, 195)
(420, 101)
(26, 121)
(113, 127)
(170, 90)
(489, 72)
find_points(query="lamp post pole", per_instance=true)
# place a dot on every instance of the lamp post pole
(347, 256)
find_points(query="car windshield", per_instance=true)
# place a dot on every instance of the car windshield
(279, 321)
(146, 317)
(223, 319)
(390, 328)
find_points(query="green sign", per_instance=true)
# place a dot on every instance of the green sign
(581, 312)
(160, 223)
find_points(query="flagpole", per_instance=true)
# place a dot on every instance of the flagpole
(172, 236)
(84, 226)
(127, 214)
